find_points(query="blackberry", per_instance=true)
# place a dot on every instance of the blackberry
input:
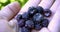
(25, 16)
(19, 16)
(33, 19)
(29, 24)
(45, 22)
(21, 23)
(40, 9)
(47, 13)
(24, 29)
(37, 17)
(32, 11)
(38, 26)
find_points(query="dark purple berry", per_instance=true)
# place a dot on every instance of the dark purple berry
(24, 29)
(21, 23)
(38, 26)
(47, 13)
(45, 22)
(37, 17)
(33, 19)
(29, 24)
(32, 11)
(25, 16)
(19, 16)
(40, 9)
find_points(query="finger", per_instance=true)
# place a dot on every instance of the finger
(30, 3)
(55, 22)
(46, 4)
(44, 30)
(13, 24)
(9, 11)
(4, 27)
(54, 8)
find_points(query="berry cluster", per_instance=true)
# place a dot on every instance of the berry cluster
(33, 19)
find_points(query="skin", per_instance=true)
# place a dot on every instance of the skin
(8, 23)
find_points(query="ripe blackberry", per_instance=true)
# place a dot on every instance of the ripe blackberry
(45, 22)
(21, 23)
(29, 24)
(32, 11)
(40, 9)
(38, 26)
(19, 16)
(33, 19)
(24, 29)
(47, 13)
(37, 17)
(25, 16)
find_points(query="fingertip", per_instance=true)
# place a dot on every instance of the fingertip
(12, 22)
(15, 6)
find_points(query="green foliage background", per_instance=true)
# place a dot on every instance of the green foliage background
(5, 2)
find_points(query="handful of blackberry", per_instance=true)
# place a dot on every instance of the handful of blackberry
(33, 19)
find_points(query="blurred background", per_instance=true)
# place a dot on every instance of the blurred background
(6, 2)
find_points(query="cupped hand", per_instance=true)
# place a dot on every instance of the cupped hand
(9, 12)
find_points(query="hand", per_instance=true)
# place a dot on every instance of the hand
(50, 4)
(7, 24)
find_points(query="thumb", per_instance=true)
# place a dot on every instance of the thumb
(4, 27)
(13, 24)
